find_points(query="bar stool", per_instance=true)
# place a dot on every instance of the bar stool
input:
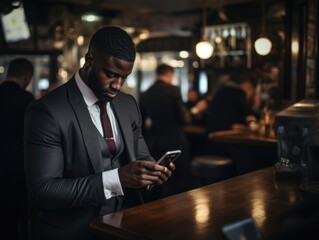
(212, 168)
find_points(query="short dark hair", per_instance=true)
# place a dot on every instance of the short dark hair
(163, 69)
(113, 41)
(20, 67)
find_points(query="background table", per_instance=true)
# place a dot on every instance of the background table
(249, 150)
(244, 137)
(201, 213)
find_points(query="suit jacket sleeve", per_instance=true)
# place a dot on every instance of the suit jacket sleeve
(49, 184)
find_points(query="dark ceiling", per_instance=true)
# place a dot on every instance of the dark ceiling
(177, 17)
(160, 18)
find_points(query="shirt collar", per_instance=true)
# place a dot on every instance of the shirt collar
(88, 95)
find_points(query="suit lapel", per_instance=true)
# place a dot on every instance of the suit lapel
(87, 127)
(124, 123)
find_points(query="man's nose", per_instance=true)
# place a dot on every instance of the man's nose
(117, 83)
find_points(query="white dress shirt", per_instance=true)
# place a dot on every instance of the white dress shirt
(111, 181)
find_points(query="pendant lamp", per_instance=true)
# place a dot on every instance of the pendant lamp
(263, 44)
(204, 48)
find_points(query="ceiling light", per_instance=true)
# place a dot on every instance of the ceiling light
(204, 49)
(90, 18)
(263, 44)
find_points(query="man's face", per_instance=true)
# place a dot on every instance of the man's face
(249, 90)
(107, 75)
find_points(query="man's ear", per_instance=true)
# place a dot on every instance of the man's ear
(89, 59)
(26, 80)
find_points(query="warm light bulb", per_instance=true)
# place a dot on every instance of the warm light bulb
(263, 46)
(204, 49)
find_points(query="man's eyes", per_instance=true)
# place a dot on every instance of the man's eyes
(114, 75)
(111, 75)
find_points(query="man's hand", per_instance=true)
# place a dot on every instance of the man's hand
(142, 173)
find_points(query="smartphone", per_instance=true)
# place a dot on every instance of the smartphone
(167, 158)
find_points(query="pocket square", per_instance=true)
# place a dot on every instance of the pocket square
(134, 126)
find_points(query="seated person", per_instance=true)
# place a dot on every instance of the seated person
(196, 105)
(192, 98)
(231, 106)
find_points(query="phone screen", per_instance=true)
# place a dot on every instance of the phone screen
(169, 157)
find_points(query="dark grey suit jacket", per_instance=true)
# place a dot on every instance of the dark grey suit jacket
(63, 161)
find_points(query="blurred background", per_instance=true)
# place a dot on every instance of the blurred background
(54, 35)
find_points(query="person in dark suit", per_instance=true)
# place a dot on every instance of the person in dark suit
(72, 174)
(13, 101)
(231, 107)
(164, 116)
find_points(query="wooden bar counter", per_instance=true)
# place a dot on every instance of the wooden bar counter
(201, 213)
(243, 137)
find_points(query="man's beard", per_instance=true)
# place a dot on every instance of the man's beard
(97, 89)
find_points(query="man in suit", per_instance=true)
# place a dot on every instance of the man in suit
(230, 107)
(164, 116)
(13, 101)
(72, 173)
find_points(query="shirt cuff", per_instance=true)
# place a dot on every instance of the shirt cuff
(111, 184)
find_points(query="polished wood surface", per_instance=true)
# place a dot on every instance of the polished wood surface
(243, 137)
(201, 213)
(195, 129)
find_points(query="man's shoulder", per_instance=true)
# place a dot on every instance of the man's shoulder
(57, 97)
(28, 96)
(161, 86)
(124, 97)
(231, 90)
(55, 94)
(11, 89)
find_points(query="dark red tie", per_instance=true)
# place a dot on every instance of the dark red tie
(107, 128)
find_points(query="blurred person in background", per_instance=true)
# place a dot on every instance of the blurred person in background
(14, 99)
(197, 106)
(164, 116)
(235, 103)
(231, 107)
(192, 98)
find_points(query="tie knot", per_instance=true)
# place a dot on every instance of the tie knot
(101, 105)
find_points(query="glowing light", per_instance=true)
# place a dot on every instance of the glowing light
(204, 49)
(263, 46)
(82, 61)
(90, 18)
(43, 83)
(183, 54)
(218, 39)
(195, 64)
(295, 47)
(80, 40)
(63, 73)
